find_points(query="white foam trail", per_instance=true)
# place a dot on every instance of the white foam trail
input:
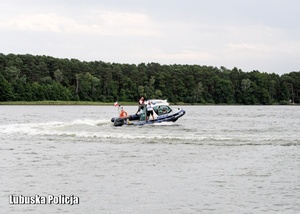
(88, 129)
(76, 129)
(49, 128)
(90, 122)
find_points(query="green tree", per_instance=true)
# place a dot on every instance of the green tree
(58, 75)
(6, 91)
(197, 92)
(223, 91)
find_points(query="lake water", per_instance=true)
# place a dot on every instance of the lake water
(215, 159)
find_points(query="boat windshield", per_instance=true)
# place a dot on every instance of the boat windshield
(161, 110)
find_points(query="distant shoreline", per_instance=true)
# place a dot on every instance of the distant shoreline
(47, 102)
(62, 103)
(91, 103)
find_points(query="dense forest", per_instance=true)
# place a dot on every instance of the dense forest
(36, 78)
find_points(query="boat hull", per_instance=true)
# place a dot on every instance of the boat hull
(135, 119)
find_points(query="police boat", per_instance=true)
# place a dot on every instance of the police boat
(162, 112)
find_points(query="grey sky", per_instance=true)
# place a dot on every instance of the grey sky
(259, 35)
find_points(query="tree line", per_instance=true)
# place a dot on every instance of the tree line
(36, 78)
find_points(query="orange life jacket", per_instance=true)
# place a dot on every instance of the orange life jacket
(123, 114)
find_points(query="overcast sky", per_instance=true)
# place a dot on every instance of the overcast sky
(261, 35)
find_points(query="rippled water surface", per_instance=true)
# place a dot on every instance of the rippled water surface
(215, 159)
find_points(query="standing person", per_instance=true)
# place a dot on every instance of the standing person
(141, 104)
(149, 111)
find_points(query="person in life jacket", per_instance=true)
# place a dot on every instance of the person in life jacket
(123, 113)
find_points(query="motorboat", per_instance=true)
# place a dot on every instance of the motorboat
(162, 112)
